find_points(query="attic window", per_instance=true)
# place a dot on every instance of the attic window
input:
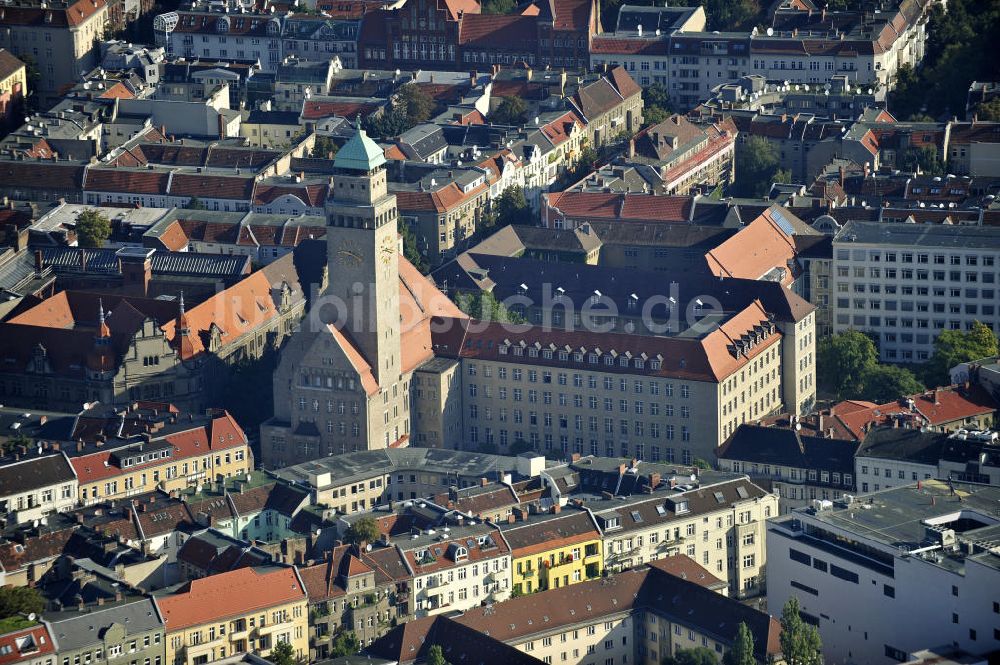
(681, 507)
(654, 364)
(636, 517)
(742, 492)
(719, 497)
(661, 509)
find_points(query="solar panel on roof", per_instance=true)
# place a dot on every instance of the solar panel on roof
(783, 222)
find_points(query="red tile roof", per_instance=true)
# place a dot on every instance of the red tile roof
(75, 14)
(755, 250)
(584, 206)
(215, 598)
(36, 641)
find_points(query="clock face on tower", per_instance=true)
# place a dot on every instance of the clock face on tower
(387, 252)
(349, 254)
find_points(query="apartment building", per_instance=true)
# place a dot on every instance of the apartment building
(719, 523)
(220, 35)
(356, 482)
(456, 568)
(800, 46)
(553, 550)
(61, 37)
(241, 611)
(922, 549)
(123, 631)
(365, 592)
(114, 456)
(13, 89)
(907, 282)
(36, 486)
(797, 468)
(639, 616)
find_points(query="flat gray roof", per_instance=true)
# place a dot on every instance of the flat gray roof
(919, 235)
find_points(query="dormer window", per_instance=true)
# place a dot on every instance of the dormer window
(623, 361)
(222, 25)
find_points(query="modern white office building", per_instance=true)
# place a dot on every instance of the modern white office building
(908, 282)
(891, 573)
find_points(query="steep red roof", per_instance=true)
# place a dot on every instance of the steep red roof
(215, 598)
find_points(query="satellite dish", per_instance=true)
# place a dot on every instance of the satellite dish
(770, 32)
(31, 616)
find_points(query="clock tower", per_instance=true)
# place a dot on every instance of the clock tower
(363, 257)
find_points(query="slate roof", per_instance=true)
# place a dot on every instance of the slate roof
(34, 473)
(904, 444)
(78, 630)
(779, 446)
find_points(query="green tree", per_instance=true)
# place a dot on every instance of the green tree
(800, 643)
(757, 164)
(741, 652)
(512, 207)
(283, 654)
(499, 6)
(782, 176)
(925, 159)
(484, 306)
(958, 43)
(410, 248)
(20, 600)
(958, 346)
(325, 147)
(194, 203)
(415, 104)
(435, 656)
(656, 104)
(344, 644)
(11, 443)
(586, 164)
(699, 463)
(33, 80)
(92, 228)
(510, 111)
(365, 530)
(989, 111)
(696, 656)
(843, 361)
(885, 383)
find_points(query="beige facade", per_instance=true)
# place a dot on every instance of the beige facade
(61, 37)
(721, 527)
(247, 611)
(583, 407)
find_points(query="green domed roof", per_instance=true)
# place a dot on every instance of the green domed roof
(360, 153)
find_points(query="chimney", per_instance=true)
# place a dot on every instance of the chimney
(631, 147)
(843, 174)
(483, 482)
(819, 422)
(575, 457)
(39, 263)
(654, 480)
(556, 509)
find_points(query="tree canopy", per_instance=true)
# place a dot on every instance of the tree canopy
(989, 111)
(410, 107)
(344, 644)
(484, 306)
(849, 368)
(435, 656)
(92, 228)
(411, 250)
(757, 167)
(741, 652)
(800, 642)
(925, 159)
(696, 656)
(656, 104)
(499, 6)
(512, 207)
(283, 654)
(510, 111)
(20, 600)
(365, 530)
(958, 346)
(324, 148)
(959, 42)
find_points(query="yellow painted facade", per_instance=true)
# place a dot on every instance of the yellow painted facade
(536, 569)
(257, 632)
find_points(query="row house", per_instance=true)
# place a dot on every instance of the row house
(801, 46)
(245, 610)
(221, 36)
(36, 486)
(554, 550)
(640, 616)
(354, 589)
(718, 524)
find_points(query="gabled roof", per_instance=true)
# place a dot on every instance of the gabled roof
(34, 474)
(779, 446)
(215, 598)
